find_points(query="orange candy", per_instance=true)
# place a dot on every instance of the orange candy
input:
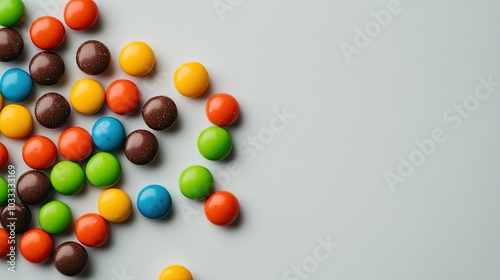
(47, 33)
(81, 14)
(39, 152)
(4, 243)
(92, 230)
(36, 246)
(123, 97)
(222, 208)
(222, 109)
(4, 156)
(75, 143)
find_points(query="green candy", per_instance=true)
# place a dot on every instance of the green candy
(54, 217)
(4, 191)
(67, 177)
(195, 182)
(103, 170)
(11, 12)
(215, 143)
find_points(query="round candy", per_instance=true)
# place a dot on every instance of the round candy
(195, 182)
(141, 147)
(67, 177)
(47, 33)
(214, 143)
(11, 12)
(92, 230)
(222, 109)
(81, 14)
(123, 97)
(36, 246)
(16, 85)
(70, 258)
(4, 243)
(87, 96)
(52, 110)
(47, 68)
(15, 121)
(114, 205)
(159, 112)
(4, 156)
(11, 44)
(137, 59)
(39, 152)
(154, 202)
(108, 134)
(33, 187)
(19, 213)
(75, 143)
(4, 191)
(222, 208)
(54, 217)
(93, 57)
(175, 272)
(191, 79)
(103, 170)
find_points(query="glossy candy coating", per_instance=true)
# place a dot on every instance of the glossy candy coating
(11, 12)
(123, 97)
(159, 112)
(16, 85)
(47, 33)
(33, 187)
(4, 243)
(191, 79)
(87, 96)
(67, 177)
(175, 272)
(36, 246)
(47, 68)
(4, 156)
(137, 59)
(75, 143)
(222, 208)
(141, 147)
(22, 216)
(39, 152)
(81, 14)
(93, 57)
(52, 110)
(108, 134)
(54, 217)
(114, 205)
(103, 170)
(15, 121)
(154, 202)
(70, 258)
(11, 44)
(215, 143)
(4, 191)
(195, 182)
(222, 109)
(92, 230)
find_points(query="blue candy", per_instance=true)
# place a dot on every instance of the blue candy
(16, 85)
(108, 134)
(154, 202)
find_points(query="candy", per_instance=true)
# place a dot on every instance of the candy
(222, 208)
(75, 143)
(215, 143)
(103, 170)
(93, 57)
(36, 246)
(4, 156)
(39, 152)
(195, 182)
(108, 134)
(175, 272)
(47, 33)
(11, 44)
(52, 110)
(81, 14)
(67, 177)
(141, 147)
(47, 68)
(222, 109)
(154, 202)
(87, 96)
(4, 243)
(92, 230)
(70, 258)
(159, 112)
(22, 216)
(137, 59)
(123, 97)
(54, 217)
(15, 121)
(114, 205)
(33, 187)
(16, 85)
(191, 79)
(4, 191)
(11, 12)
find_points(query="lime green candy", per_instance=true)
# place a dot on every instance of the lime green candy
(67, 177)
(54, 217)
(103, 170)
(4, 191)
(11, 12)
(215, 143)
(196, 182)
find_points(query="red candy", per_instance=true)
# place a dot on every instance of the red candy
(123, 97)
(36, 246)
(47, 33)
(75, 143)
(222, 208)
(81, 14)
(4, 156)
(92, 230)
(39, 152)
(222, 109)
(4, 243)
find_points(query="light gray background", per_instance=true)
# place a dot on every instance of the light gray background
(322, 174)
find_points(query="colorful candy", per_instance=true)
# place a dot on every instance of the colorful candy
(4, 156)
(47, 33)
(11, 45)
(222, 208)
(4, 191)
(22, 216)
(137, 59)
(175, 272)
(87, 96)
(93, 57)
(67, 177)
(114, 205)
(141, 147)
(47, 68)
(4, 243)
(36, 246)
(154, 202)
(70, 258)
(123, 97)
(39, 152)
(16, 85)
(75, 143)
(81, 14)
(195, 182)
(92, 230)
(191, 79)
(215, 143)
(159, 112)
(33, 187)
(108, 134)
(15, 121)
(222, 109)
(103, 170)
(52, 110)
(54, 217)
(11, 12)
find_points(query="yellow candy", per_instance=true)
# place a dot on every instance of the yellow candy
(175, 272)
(191, 79)
(137, 59)
(114, 205)
(87, 96)
(15, 121)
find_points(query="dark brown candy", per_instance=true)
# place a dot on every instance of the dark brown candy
(33, 187)
(52, 110)
(70, 258)
(46, 68)
(16, 217)
(141, 147)
(93, 57)
(159, 112)
(11, 44)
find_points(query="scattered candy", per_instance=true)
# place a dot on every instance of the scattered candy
(4, 191)
(222, 109)
(11, 12)
(103, 170)
(81, 14)
(159, 112)
(75, 144)
(4, 243)
(22, 216)
(70, 258)
(33, 187)
(175, 272)
(123, 97)
(67, 177)
(108, 134)
(11, 44)
(137, 59)
(16, 85)
(47, 33)
(215, 143)
(15, 121)
(141, 147)
(191, 79)
(39, 152)
(114, 205)
(36, 246)
(87, 96)
(52, 110)
(54, 217)
(47, 68)
(195, 182)
(4, 156)
(93, 57)
(92, 230)
(154, 202)
(222, 208)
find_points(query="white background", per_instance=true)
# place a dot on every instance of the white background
(322, 174)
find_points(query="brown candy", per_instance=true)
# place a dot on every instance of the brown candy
(141, 147)
(47, 68)
(159, 112)
(33, 187)
(93, 57)
(11, 44)
(52, 110)
(70, 258)
(17, 217)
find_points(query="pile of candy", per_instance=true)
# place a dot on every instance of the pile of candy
(101, 169)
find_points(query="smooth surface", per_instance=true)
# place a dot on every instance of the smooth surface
(36, 246)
